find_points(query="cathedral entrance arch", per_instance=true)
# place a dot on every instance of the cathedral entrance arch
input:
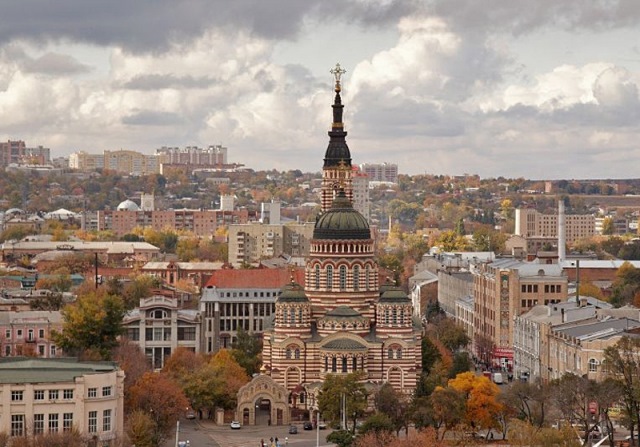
(263, 402)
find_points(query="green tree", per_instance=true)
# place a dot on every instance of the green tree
(608, 227)
(341, 438)
(623, 365)
(247, 351)
(377, 423)
(392, 404)
(336, 386)
(91, 326)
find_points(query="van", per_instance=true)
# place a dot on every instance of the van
(497, 378)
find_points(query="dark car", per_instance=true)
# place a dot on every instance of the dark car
(293, 430)
(307, 426)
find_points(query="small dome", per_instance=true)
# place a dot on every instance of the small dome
(343, 312)
(292, 293)
(394, 295)
(342, 221)
(128, 205)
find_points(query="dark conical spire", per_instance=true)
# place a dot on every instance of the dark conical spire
(337, 151)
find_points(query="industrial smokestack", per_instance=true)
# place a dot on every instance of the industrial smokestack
(561, 232)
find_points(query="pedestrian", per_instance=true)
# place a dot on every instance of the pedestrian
(262, 442)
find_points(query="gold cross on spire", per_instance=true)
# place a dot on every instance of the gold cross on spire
(337, 73)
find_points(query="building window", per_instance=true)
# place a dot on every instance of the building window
(356, 278)
(93, 421)
(16, 396)
(317, 276)
(106, 391)
(287, 353)
(38, 395)
(593, 365)
(53, 422)
(394, 316)
(386, 316)
(67, 422)
(17, 425)
(38, 424)
(106, 420)
(7, 334)
(92, 392)
(41, 333)
(52, 351)
(53, 394)
(329, 277)
(389, 353)
(67, 394)
(133, 333)
(343, 277)
(19, 333)
(297, 353)
(399, 354)
(334, 364)
(367, 272)
(187, 333)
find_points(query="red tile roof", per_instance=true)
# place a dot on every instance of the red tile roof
(255, 278)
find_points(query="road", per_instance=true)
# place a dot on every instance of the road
(207, 434)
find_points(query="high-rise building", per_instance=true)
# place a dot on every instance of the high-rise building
(12, 152)
(341, 321)
(361, 202)
(381, 172)
(193, 155)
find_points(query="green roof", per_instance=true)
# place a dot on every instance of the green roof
(292, 293)
(42, 370)
(344, 312)
(344, 344)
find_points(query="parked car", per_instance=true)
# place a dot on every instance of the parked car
(293, 430)
(190, 414)
(235, 425)
(322, 425)
(307, 425)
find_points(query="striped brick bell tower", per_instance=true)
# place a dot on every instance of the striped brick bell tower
(336, 172)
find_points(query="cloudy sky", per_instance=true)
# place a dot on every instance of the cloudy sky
(539, 89)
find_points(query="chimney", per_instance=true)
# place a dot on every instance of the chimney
(561, 233)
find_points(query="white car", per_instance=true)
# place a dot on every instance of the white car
(235, 425)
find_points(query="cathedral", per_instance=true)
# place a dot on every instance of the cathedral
(342, 320)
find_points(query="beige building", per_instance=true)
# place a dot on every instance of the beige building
(121, 161)
(56, 395)
(531, 223)
(251, 242)
(159, 327)
(503, 290)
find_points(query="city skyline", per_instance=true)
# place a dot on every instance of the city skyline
(441, 87)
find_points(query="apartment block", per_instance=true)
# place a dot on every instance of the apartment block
(121, 161)
(12, 152)
(251, 242)
(503, 290)
(531, 223)
(381, 172)
(28, 333)
(360, 200)
(215, 155)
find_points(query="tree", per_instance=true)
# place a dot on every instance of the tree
(608, 227)
(140, 287)
(522, 433)
(160, 398)
(91, 325)
(623, 365)
(392, 404)
(378, 424)
(451, 241)
(448, 407)
(182, 364)
(232, 375)
(140, 428)
(529, 401)
(336, 386)
(342, 438)
(55, 283)
(590, 289)
(247, 351)
(132, 361)
(482, 406)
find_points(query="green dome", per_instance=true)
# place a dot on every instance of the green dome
(292, 293)
(341, 221)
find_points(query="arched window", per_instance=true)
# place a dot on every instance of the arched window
(344, 364)
(402, 316)
(356, 278)
(334, 364)
(389, 353)
(300, 315)
(285, 315)
(317, 276)
(593, 365)
(297, 353)
(292, 316)
(399, 353)
(287, 353)
(386, 315)
(329, 277)
(343, 277)
(354, 363)
(394, 316)
(367, 278)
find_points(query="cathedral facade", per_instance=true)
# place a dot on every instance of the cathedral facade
(341, 320)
